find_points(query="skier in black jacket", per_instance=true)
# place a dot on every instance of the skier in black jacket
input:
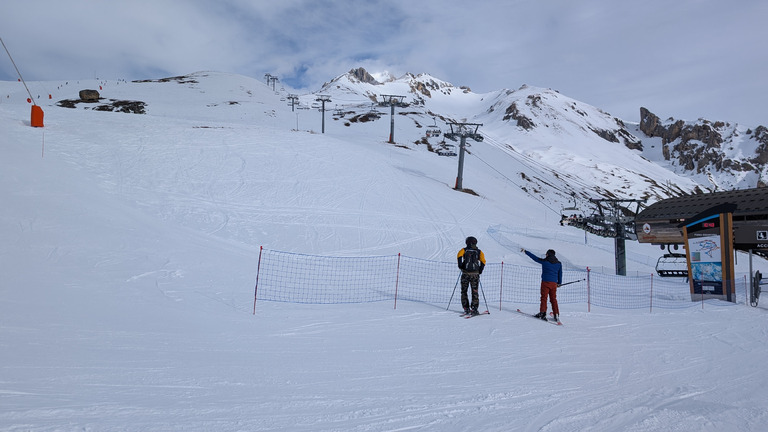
(471, 262)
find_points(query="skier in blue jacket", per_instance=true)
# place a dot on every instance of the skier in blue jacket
(551, 278)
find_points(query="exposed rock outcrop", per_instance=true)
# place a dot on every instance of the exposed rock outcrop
(706, 147)
(761, 152)
(125, 106)
(89, 95)
(704, 132)
(362, 75)
(650, 124)
(686, 138)
(513, 112)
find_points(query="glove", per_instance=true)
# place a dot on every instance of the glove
(522, 250)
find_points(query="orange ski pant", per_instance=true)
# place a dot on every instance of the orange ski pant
(549, 289)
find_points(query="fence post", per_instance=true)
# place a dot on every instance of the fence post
(397, 278)
(746, 290)
(256, 288)
(589, 294)
(651, 293)
(501, 284)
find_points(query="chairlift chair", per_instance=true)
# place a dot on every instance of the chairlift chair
(672, 264)
(571, 216)
(373, 112)
(433, 130)
(447, 150)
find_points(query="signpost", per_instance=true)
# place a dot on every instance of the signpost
(709, 250)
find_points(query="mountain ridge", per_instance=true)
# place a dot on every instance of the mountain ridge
(537, 126)
(718, 155)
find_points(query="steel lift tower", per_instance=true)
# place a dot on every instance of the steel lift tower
(273, 79)
(323, 99)
(392, 101)
(462, 131)
(294, 100)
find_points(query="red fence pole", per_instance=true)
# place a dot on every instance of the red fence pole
(256, 288)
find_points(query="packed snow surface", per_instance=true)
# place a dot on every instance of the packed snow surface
(129, 247)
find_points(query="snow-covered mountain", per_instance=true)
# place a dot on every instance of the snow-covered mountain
(552, 149)
(594, 154)
(129, 245)
(615, 157)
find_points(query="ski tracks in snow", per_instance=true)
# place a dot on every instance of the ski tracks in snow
(215, 181)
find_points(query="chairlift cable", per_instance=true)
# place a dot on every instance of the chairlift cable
(532, 163)
(17, 71)
(528, 161)
(511, 181)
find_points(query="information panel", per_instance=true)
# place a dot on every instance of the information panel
(709, 249)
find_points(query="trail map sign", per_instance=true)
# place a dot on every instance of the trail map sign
(709, 249)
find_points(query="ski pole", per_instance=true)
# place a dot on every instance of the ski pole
(454, 291)
(568, 283)
(483, 292)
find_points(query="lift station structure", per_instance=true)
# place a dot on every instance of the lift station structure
(662, 223)
(613, 218)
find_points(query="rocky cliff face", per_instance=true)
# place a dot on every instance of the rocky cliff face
(362, 75)
(712, 148)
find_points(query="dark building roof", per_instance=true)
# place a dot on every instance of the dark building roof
(662, 222)
(749, 203)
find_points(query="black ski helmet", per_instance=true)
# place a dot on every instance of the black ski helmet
(551, 252)
(471, 241)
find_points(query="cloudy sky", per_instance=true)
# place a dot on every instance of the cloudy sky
(683, 58)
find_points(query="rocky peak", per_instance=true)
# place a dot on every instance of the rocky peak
(362, 75)
(706, 147)
(705, 131)
(651, 125)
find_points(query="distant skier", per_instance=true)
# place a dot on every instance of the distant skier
(471, 262)
(551, 278)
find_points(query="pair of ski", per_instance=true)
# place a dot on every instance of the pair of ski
(547, 320)
(470, 314)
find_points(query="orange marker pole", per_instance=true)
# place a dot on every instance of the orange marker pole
(37, 112)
